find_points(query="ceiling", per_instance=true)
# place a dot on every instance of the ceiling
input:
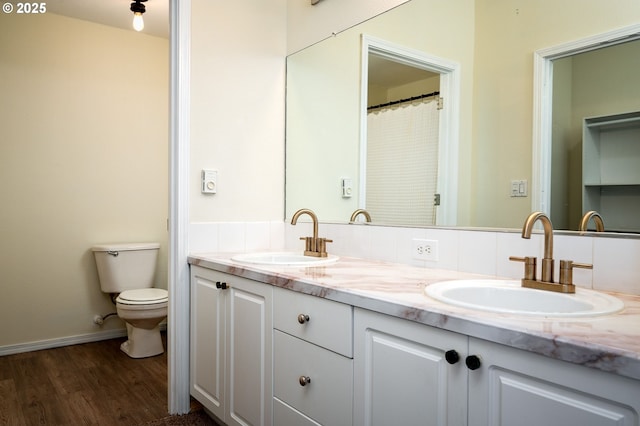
(116, 13)
(386, 73)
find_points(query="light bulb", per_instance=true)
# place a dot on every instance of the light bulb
(138, 22)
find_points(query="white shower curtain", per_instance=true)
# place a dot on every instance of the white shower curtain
(402, 163)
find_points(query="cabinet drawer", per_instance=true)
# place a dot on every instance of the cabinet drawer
(285, 415)
(327, 398)
(330, 323)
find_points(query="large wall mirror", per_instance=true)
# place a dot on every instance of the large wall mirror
(589, 120)
(493, 42)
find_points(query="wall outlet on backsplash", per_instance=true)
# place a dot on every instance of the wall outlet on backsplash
(476, 251)
(425, 249)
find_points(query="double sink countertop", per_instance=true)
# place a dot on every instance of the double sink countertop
(610, 343)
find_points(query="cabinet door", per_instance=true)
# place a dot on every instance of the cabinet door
(401, 376)
(518, 387)
(249, 342)
(208, 319)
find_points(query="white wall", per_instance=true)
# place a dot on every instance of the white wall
(237, 109)
(83, 160)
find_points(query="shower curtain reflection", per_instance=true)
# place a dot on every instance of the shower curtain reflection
(402, 163)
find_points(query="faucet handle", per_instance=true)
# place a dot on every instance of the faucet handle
(309, 244)
(529, 266)
(321, 246)
(566, 270)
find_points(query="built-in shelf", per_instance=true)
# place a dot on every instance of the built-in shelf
(588, 184)
(611, 169)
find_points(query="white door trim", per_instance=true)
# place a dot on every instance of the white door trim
(542, 104)
(449, 118)
(178, 314)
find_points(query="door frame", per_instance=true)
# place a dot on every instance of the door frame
(447, 212)
(178, 221)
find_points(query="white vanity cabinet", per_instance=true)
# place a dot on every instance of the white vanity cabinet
(313, 360)
(264, 355)
(231, 346)
(513, 386)
(407, 373)
(404, 374)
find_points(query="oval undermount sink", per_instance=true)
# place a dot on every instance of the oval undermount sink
(283, 259)
(507, 296)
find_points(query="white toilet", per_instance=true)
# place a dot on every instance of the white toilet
(128, 270)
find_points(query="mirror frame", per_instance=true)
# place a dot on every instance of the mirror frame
(542, 103)
(449, 119)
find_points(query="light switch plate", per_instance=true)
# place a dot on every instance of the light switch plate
(519, 188)
(209, 181)
(347, 187)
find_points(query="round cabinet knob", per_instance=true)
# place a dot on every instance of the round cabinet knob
(451, 356)
(302, 318)
(221, 285)
(473, 362)
(304, 380)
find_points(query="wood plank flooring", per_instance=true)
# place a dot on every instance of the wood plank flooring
(88, 384)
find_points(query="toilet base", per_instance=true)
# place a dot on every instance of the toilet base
(142, 343)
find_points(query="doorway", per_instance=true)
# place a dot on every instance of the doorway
(429, 184)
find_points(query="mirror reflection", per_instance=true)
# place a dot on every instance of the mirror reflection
(596, 137)
(494, 44)
(400, 170)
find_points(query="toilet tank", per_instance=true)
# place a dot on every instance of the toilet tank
(126, 266)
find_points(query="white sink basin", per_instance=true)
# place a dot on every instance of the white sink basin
(283, 259)
(507, 296)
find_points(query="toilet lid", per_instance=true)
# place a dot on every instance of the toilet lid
(143, 296)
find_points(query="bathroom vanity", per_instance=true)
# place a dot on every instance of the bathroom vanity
(358, 342)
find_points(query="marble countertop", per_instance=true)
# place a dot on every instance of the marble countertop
(609, 343)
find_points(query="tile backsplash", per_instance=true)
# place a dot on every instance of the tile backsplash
(615, 259)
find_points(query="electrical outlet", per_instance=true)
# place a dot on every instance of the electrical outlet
(425, 249)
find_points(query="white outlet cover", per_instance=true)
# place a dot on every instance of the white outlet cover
(426, 250)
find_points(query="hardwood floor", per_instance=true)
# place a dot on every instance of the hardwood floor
(88, 384)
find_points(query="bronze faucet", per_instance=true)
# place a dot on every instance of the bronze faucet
(547, 260)
(314, 246)
(363, 212)
(566, 266)
(597, 219)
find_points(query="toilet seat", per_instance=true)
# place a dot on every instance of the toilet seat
(143, 296)
(142, 310)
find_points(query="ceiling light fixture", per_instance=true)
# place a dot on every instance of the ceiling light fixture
(138, 9)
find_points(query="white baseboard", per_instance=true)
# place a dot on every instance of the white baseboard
(66, 341)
